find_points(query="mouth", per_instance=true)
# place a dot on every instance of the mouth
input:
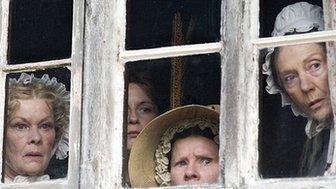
(132, 134)
(315, 104)
(33, 155)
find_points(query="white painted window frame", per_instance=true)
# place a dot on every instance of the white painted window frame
(75, 64)
(100, 58)
(240, 114)
(104, 65)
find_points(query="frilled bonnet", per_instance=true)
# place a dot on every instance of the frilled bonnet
(300, 17)
(61, 147)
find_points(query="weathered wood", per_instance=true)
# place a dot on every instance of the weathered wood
(4, 12)
(76, 94)
(239, 96)
(329, 9)
(174, 51)
(313, 37)
(103, 91)
(289, 183)
(53, 184)
(36, 66)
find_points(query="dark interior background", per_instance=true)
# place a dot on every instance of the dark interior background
(39, 30)
(201, 79)
(281, 133)
(149, 22)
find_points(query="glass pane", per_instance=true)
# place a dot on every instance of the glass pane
(37, 126)
(158, 86)
(39, 30)
(293, 146)
(270, 9)
(165, 23)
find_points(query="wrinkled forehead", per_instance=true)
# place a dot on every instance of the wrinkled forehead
(299, 53)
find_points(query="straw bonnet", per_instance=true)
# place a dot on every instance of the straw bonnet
(142, 161)
(300, 17)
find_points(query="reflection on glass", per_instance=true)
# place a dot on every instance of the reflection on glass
(156, 86)
(165, 23)
(37, 127)
(39, 30)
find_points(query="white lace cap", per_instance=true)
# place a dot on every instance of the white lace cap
(61, 147)
(298, 17)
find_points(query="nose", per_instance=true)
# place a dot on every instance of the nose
(306, 83)
(34, 136)
(132, 117)
(191, 173)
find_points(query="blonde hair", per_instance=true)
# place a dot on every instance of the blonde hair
(55, 95)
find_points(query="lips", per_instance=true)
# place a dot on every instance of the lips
(133, 134)
(34, 155)
(315, 104)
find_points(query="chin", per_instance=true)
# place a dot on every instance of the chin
(35, 170)
(322, 115)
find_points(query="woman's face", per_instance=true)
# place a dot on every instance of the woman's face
(141, 110)
(194, 160)
(30, 137)
(303, 72)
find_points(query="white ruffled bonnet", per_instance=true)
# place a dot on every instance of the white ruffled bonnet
(61, 148)
(298, 17)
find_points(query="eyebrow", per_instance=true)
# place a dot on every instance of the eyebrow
(25, 120)
(146, 102)
(311, 56)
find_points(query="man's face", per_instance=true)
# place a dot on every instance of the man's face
(302, 71)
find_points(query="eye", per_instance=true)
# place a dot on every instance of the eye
(46, 126)
(206, 161)
(181, 163)
(289, 79)
(146, 109)
(314, 66)
(20, 126)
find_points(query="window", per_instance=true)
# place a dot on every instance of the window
(105, 43)
(46, 37)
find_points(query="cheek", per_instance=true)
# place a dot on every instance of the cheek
(14, 146)
(211, 173)
(49, 139)
(15, 142)
(176, 175)
(146, 119)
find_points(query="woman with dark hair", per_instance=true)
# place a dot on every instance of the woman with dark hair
(142, 106)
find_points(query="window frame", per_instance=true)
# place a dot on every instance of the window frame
(97, 68)
(75, 64)
(241, 112)
(110, 68)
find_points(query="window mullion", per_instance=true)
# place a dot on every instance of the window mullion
(239, 98)
(103, 91)
(294, 39)
(4, 14)
(37, 66)
(76, 94)
(167, 52)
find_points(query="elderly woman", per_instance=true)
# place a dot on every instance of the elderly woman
(299, 73)
(180, 147)
(37, 120)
